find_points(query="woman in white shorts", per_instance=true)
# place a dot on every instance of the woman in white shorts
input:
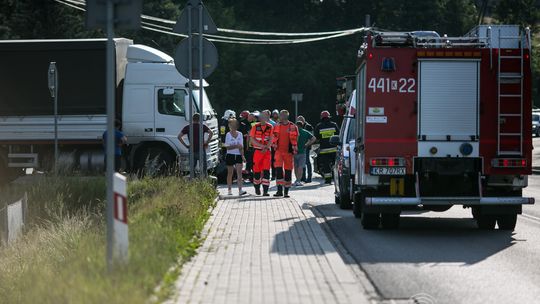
(234, 143)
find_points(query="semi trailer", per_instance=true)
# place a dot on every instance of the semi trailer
(152, 104)
(443, 121)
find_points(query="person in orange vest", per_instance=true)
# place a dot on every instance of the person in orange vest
(261, 137)
(286, 145)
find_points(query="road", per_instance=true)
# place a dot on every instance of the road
(442, 255)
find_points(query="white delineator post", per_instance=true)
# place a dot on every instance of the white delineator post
(120, 222)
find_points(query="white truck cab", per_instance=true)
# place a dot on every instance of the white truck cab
(155, 107)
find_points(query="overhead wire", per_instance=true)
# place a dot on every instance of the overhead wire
(228, 39)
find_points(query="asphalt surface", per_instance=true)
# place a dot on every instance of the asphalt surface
(441, 257)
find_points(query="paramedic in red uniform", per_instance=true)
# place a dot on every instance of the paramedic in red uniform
(261, 137)
(285, 143)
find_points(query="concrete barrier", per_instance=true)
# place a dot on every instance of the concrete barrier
(13, 219)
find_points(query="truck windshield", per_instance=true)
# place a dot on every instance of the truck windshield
(536, 117)
(207, 107)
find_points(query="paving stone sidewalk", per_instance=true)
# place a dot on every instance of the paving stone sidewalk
(266, 250)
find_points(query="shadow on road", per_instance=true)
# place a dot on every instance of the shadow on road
(418, 240)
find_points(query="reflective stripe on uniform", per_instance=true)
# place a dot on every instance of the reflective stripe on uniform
(327, 132)
(327, 150)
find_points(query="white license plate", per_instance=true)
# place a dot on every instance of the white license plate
(387, 171)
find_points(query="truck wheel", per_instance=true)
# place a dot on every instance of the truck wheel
(507, 221)
(485, 221)
(357, 206)
(157, 162)
(390, 220)
(370, 221)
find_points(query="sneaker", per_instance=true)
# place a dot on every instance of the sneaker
(298, 184)
(279, 193)
(266, 194)
(230, 192)
(243, 192)
(257, 191)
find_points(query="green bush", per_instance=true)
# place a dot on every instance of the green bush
(61, 258)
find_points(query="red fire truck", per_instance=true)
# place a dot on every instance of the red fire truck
(443, 121)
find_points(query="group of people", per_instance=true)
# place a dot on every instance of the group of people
(272, 147)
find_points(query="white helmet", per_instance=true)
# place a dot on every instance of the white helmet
(229, 114)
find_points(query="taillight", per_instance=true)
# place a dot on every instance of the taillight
(387, 162)
(509, 163)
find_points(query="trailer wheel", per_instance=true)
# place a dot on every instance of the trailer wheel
(390, 220)
(507, 221)
(485, 221)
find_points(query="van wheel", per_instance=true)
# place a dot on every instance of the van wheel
(344, 201)
(507, 221)
(357, 206)
(390, 220)
(485, 221)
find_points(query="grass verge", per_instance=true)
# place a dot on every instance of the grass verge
(61, 258)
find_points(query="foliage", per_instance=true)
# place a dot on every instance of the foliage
(61, 259)
(255, 76)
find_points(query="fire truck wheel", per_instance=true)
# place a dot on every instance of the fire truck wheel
(507, 221)
(390, 220)
(485, 221)
(370, 220)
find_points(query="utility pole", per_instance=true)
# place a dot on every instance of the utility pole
(53, 87)
(127, 15)
(196, 62)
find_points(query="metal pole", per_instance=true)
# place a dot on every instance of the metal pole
(190, 91)
(110, 131)
(201, 107)
(295, 108)
(56, 122)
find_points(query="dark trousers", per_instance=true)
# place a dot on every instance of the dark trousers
(196, 159)
(249, 162)
(117, 163)
(308, 169)
(326, 161)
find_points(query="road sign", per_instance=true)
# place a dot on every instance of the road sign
(120, 223)
(210, 59)
(53, 88)
(296, 97)
(127, 14)
(182, 25)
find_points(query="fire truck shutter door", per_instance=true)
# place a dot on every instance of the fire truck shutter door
(448, 97)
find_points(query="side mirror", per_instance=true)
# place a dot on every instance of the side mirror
(334, 140)
(168, 91)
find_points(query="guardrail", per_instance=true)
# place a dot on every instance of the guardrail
(12, 220)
